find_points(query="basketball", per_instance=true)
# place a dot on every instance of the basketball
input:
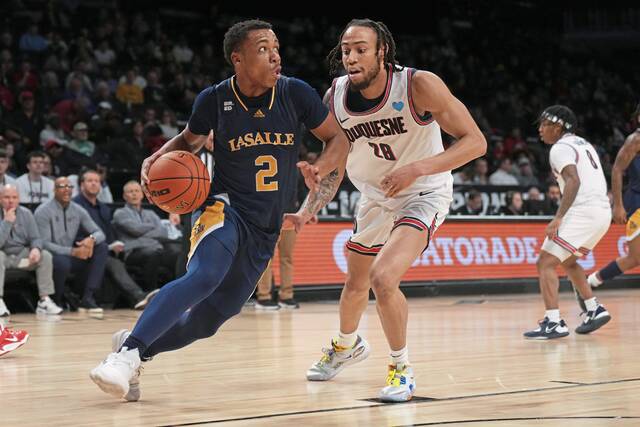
(178, 182)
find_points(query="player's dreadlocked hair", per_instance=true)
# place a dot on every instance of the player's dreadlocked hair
(235, 35)
(334, 59)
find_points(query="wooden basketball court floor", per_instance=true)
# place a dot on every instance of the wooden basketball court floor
(473, 369)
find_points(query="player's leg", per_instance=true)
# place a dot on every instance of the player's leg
(551, 256)
(405, 244)
(348, 347)
(623, 263)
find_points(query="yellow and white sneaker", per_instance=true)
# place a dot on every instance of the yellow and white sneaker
(335, 359)
(401, 384)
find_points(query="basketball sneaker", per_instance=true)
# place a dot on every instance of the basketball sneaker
(266, 304)
(4, 311)
(401, 384)
(289, 303)
(548, 330)
(47, 306)
(134, 383)
(336, 358)
(594, 320)
(11, 340)
(113, 374)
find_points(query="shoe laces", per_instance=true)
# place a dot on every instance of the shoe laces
(119, 359)
(328, 354)
(394, 377)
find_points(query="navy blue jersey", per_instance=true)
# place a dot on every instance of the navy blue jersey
(632, 194)
(256, 143)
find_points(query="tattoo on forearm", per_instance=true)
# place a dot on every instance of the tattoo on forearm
(317, 200)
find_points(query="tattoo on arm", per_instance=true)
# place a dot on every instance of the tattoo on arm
(327, 189)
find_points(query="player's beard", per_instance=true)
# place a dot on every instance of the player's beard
(369, 76)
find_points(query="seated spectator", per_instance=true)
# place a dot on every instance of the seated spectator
(514, 204)
(129, 93)
(27, 120)
(33, 186)
(53, 131)
(32, 41)
(503, 176)
(5, 178)
(90, 188)
(552, 199)
(473, 206)
(480, 170)
(525, 175)
(534, 205)
(154, 91)
(104, 195)
(60, 221)
(168, 124)
(462, 176)
(21, 247)
(79, 152)
(143, 236)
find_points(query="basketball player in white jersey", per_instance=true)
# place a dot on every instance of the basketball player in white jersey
(583, 217)
(392, 116)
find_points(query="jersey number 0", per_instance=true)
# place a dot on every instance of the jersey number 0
(263, 174)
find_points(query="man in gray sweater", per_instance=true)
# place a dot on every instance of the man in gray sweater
(143, 235)
(21, 247)
(59, 221)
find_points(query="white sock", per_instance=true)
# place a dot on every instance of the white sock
(553, 315)
(347, 340)
(400, 356)
(591, 304)
(593, 280)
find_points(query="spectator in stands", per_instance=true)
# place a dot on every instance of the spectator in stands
(514, 204)
(473, 205)
(21, 247)
(76, 89)
(53, 131)
(552, 199)
(143, 235)
(5, 178)
(154, 91)
(33, 186)
(72, 111)
(534, 205)
(80, 152)
(90, 188)
(129, 93)
(181, 52)
(27, 121)
(104, 55)
(25, 78)
(32, 41)
(525, 175)
(168, 124)
(60, 221)
(480, 171)
(80, 72)
(503, 176)
(462, 176)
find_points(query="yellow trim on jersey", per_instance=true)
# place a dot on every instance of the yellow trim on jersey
(211, 219)
(633, 226)
(235, 92)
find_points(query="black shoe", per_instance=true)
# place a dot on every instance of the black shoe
(548, 330)
(288, 303)
(594, 320)
(266, 304)
(580, 300)
(88, 305)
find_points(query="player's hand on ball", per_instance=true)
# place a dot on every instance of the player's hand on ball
(311, 175)
(144, 172)
(552, 227)
(398, 180)
(619, 215)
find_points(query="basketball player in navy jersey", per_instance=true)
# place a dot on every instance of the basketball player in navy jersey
(256, 118)
(625, 207)
(393, 117)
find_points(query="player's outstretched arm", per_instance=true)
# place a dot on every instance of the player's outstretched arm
(624, 157)
(429, 93)
(185, 140)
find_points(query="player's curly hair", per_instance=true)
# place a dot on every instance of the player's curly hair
(334, 59)
(235, 35)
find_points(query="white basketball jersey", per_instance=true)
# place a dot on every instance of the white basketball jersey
(574, 150)
(387, 137)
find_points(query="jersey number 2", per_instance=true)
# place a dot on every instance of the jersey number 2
(269, 172)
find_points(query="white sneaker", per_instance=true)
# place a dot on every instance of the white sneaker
(134, 383)
(113, 374)
(336, 359)
(401, 384)
(47, 306)
(4, 311)
(592, 280)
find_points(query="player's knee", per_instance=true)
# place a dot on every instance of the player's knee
(356, 283)
(382, 282)
(546, 262)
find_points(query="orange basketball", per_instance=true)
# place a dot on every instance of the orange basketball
(178, 182)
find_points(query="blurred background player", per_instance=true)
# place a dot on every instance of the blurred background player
(583, 217)
(625, 209)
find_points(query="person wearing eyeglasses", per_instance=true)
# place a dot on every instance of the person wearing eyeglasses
(59, 222)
